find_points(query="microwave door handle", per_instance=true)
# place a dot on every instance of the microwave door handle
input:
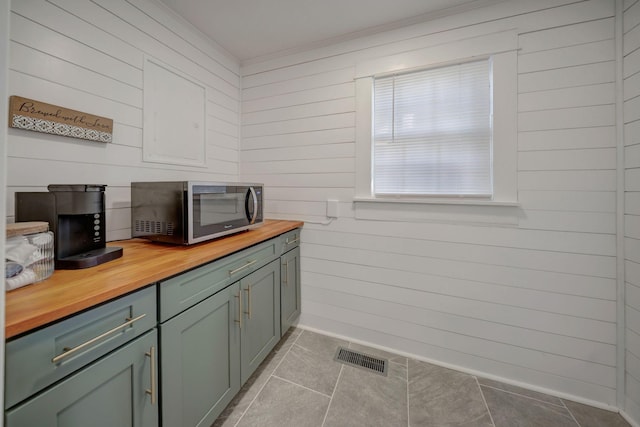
(254, 196)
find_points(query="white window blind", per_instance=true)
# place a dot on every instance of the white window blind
(432, 132)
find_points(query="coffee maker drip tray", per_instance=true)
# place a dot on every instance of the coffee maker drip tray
(89, 259)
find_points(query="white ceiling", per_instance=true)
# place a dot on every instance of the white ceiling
(256, 28)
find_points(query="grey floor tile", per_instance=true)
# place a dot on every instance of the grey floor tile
(245, 396)
(321, 344)
(519, 390)
(240, 403)
(368, 399)
(588, 416)
(228, 419)
(443, 397)
(289, 338)
(277, 354)
(295, 383)
(513, 410)
(283, 404)
(310, 362)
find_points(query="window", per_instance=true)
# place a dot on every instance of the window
(432, 132)
(417, 149)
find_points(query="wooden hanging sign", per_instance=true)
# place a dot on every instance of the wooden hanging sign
(38, 116)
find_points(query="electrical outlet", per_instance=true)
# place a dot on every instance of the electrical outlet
(332, 208)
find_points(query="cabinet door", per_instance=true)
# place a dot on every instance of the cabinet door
(261, 316)
(42, 358)
(290, 289)
(200, 360)
(114, 391)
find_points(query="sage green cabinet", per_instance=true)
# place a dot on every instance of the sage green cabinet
(116, 390)
(207, 330)
(200, 353)
(41, 358)
(97, 368)
(189, 288)
(209, 350)
(261, 316)
(289, 289)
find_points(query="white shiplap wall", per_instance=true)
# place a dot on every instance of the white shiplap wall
(89, 56)
(4, 59)
(631, 72)
(533, 303)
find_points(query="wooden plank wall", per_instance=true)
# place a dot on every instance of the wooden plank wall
(533, 303)
(4, 68)
(631, 72)
(89, 56)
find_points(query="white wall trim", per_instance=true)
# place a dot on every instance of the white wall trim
(364, 105)
(4, 95)
(628, 419)
(620, 209)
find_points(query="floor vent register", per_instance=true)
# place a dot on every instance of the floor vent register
(361, 360)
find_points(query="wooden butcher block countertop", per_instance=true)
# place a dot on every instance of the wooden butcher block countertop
(143, 263)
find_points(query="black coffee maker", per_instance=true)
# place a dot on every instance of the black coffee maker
(76, 215)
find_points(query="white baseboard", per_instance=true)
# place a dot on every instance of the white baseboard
(628, 419)
(476, 373)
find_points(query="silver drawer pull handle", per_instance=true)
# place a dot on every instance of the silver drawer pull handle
(70, 351)
(239, 296)
(285, 279)
(247, 265)
(296, 240)
(152, 391)
(248, 312)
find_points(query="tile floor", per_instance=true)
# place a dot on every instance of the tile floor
(299, 385)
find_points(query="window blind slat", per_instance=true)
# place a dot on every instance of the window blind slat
(432, 131)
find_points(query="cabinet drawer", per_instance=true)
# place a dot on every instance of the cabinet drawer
(290, 240)
(187, 289)
(114, 391)
(41, 358)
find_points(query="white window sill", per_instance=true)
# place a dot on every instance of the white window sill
(436, 201)
(462, 211)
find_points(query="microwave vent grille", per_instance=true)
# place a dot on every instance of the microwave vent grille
(154, 227)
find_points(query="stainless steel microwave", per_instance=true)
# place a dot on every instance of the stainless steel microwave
(187, 212)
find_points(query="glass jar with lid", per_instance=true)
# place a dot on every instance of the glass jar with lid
(29, 255)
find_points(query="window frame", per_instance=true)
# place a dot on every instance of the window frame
(501, 47)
